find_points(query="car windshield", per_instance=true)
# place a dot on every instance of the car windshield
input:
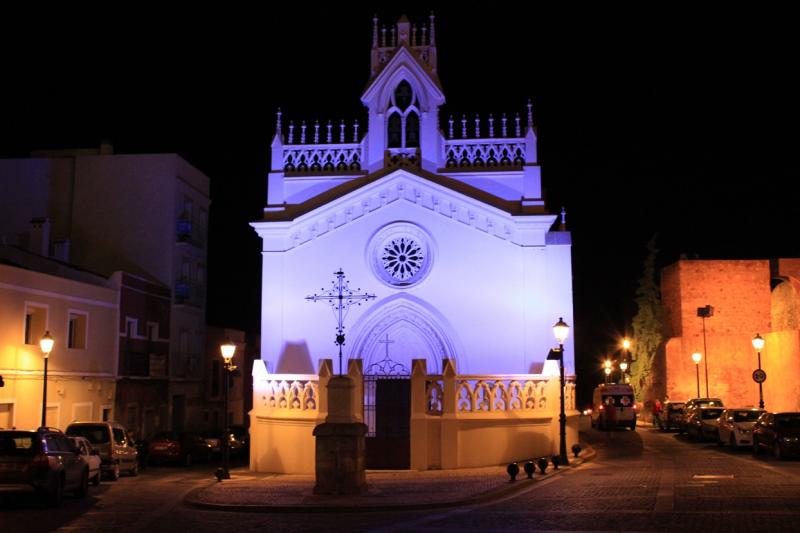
(711, 413)
(675, 406)
(791, 420)
(17, 443)
(746, 416)
(94, 434)
(709, 403)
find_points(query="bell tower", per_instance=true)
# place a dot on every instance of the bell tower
(403, 96)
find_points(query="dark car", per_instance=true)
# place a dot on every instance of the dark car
(44, 462)
(703, 424)
(183, 448)
(216, 440)
(671, 415)
(778, 432)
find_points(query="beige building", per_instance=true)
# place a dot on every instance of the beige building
(81, 317)
(215, 380)
(145, 214)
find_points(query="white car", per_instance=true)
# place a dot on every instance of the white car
(90, 456)
(736, 426)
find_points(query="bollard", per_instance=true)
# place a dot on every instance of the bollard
(513, 470)
(530, 469)
(576, 449)
(542, 464)
(554, 459)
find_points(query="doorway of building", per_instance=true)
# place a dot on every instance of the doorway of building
(387, 414)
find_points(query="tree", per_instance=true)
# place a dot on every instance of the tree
(647, 323)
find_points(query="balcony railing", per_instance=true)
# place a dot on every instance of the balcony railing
(188, 293)
(191, 231)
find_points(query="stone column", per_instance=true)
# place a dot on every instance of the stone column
(340, 447)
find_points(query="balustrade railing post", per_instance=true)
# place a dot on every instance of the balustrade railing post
(419, 419)
(449, 449)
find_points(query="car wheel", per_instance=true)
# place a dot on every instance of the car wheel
(83, 488)
(776, 451)
(756, 447)
(135, 470)
(114, 476)
(56, 496)
(96, 479)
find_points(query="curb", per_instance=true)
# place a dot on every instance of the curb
(193, 500)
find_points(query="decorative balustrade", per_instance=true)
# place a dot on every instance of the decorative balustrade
(476, 394)
(322, 158)
(472, 153)
(298, 392)
(434, 395)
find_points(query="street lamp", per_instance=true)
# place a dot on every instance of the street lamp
(758, 345)
(623, 368)
(696, 357)
(607, 369)
(227, 349)
(561, 330)
(46, 344)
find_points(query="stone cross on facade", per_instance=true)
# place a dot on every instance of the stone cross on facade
(341, 298)
(387, 342)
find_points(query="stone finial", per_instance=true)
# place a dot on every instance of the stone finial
(517, 129)
(291, 132)
(433, 34)
(477, 126)
(341, 131)
(563, 219)
(383, 36)
(375, 31)
(303, 132)
(530, 113)
(463, 126)
(504, 120)
(355, 131)
(450, 132)
(392, 37)
(329, 138)
(414, 35)
(278, 122)
(491, 126)
(424, 35)
(316, 132)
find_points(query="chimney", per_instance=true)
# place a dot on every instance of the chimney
(106, 148)
(39, 241)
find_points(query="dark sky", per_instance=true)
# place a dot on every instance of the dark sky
(673, 120)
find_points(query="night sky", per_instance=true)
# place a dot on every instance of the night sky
(676, 121)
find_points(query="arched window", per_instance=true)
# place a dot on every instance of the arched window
(395, 137)
(402, 127)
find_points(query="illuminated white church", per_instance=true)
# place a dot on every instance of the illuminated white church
(443, 219)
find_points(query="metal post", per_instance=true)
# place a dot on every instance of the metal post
(705, 358)
(226, 436)
(44, 393)
(562, 418)
(697, 368)
(760, 389)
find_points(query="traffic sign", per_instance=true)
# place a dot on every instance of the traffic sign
(759, 376)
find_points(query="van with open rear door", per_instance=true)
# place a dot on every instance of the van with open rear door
(613, 405)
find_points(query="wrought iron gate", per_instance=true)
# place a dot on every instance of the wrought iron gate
(387, 414)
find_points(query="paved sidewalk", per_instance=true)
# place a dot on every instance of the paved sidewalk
(387, 490)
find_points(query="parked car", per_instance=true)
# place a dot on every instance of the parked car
(44, 462)
(183, 448)
(696, 403)
(736, 426)
(111, 440)
(215, 440)
(779, 432)
(671, 415)
(90, 456)
(242, 434)
(702, 422)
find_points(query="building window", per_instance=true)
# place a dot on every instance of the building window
(106, 416)
(35, 323)
(76, 330)
(402, 127)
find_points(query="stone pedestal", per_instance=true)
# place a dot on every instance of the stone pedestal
(340, 447)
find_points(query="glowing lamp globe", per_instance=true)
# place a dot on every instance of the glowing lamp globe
(758, 342)
(561, 330)
(227, 349)
(696, 357)
(46, 343)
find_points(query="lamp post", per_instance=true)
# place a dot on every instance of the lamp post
(623, 369)
(758, 345)
(607, 370)
(696, 357)
(227, 349)
(46, 344)
(561, 330)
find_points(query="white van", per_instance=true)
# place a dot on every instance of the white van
(620, 398)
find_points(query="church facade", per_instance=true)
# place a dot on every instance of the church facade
(441, 219)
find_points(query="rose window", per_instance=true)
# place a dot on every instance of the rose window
(402, 258)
